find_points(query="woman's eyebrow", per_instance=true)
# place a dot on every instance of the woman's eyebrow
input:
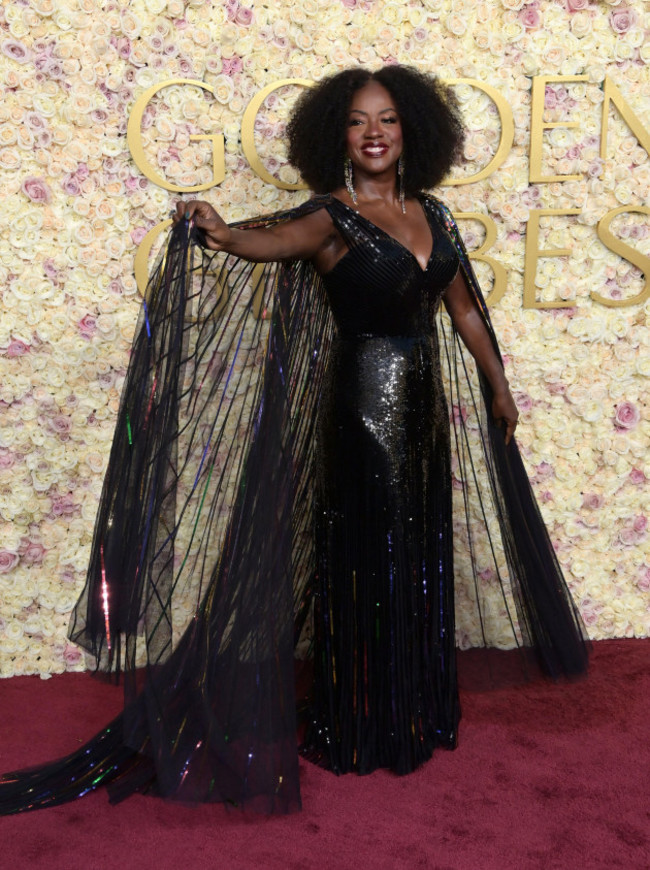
(361, 112)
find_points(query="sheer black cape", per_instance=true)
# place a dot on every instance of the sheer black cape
(199, 585)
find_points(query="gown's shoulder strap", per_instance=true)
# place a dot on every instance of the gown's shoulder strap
(443, 213)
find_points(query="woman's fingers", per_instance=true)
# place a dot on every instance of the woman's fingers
(203, 215)
(511, 425)
(505, 413)
(195, 209)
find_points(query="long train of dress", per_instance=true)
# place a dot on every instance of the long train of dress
(283, 457)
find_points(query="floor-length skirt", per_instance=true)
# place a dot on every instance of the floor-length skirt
(385, 668)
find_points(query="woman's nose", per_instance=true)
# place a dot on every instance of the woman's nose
(372, 128)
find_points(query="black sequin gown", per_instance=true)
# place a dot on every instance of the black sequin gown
(386, 689)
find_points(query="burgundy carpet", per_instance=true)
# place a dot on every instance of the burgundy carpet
(546, 776)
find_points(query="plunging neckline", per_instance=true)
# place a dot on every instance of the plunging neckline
(389, 235)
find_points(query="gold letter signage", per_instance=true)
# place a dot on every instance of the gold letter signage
(611, 95)
(134, 141)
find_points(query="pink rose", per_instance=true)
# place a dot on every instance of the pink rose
(577, 5)
(60, 425)
(550, 98)
(72, 654)
(16, 51)
(643, 583)
(99, 116)
(595, 168)
(68, 577)
(34, 121)
(458, 413)
(8, 561)
(244, 16)
(88, 326)
(16, 348)
(70, 185)
(106, 379)
(590, 611)
(530, 17)
(634, 531)
(543, 471)
(7, 459)
(523, 401)
(31, 552)
(622, 19)
(63, 505)
(124, 47)
(530, 196)
(36, 189)
(592, 501)
(627, 416)
(50, 67)
(49, 267)
(637, 477)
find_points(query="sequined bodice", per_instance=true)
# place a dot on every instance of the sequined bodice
(378, 287)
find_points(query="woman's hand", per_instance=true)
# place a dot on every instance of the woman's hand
(217, 232)
(505, 412)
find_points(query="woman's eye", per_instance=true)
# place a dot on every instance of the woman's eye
(391, 120)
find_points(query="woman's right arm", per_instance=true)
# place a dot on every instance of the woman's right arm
(302, 238)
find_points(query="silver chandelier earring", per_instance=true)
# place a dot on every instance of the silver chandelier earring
(400, 176)
(349, 179)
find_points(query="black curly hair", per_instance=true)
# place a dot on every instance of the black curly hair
(431, 125)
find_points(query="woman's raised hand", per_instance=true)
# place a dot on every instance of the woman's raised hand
(505, 412)
(217, 231)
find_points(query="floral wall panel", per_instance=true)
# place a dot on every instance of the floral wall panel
(563, 218)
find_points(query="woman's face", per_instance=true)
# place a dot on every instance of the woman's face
(374, 132)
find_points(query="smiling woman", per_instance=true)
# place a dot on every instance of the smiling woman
(333, 467)
(427, 110)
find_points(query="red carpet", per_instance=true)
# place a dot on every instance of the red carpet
(546, 777)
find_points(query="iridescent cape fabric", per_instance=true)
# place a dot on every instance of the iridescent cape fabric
(199, 588)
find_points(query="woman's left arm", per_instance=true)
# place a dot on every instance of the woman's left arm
(470, 326)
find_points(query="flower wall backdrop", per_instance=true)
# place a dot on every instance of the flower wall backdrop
(75, 207)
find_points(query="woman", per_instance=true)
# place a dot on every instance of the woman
(337, 493)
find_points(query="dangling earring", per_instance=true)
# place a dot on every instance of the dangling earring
(400, 176)
(349, 179)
